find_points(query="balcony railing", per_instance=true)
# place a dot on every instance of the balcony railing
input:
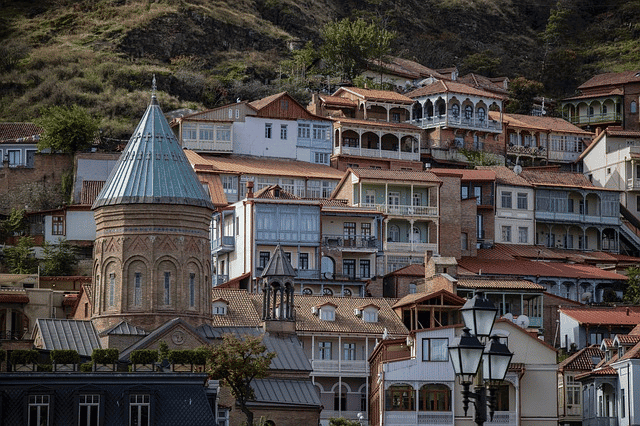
(220, 279)
(402, 210)
(457, 121)
(600, 421)
(577, 218)
(10, 335)
(223, 245)
(434, 418)
(503, 418)
(408, 247)
(308, 274)
(349, 415)
(596, 118)
(535, 151)
(633, 184)
(378, 153)
(335, 366)
(208, 146)
(367, 242)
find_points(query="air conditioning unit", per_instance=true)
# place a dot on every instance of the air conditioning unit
(315, 311)
(357, 312)
(409, 341)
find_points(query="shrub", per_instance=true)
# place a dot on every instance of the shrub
(65, 356)
(105, 356)
(24, 356)
(87, 367)
(144, 356)
(45, 367)
(3, 355)
(181, 356)
(199, 356)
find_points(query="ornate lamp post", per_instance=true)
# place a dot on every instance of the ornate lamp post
(467, 353)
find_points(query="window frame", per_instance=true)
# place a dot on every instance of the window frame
(37, 405)
(58, 225)
(149, 403)
(268, 130)
(427, 355)
(283, 132)
(522, 201)
(504, 196)
(324, 351)
(99, 407)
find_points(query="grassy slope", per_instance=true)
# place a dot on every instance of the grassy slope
(101, 54)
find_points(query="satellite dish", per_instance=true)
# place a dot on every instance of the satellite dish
(508, 316)
(586, 296)
(522, 321)
(517, 169)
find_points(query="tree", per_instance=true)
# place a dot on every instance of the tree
(632, 292)
(350, 45)
(522, 93)
(59, 259)
(66, 129)
(236, 362)
(20, 259)
(15, 224)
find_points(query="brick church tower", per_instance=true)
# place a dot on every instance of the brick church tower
(152, 256)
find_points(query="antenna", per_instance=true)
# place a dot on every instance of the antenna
(153, 86)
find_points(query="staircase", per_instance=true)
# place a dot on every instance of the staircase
(630, 232)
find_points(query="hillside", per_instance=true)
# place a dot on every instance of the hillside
(101, 54)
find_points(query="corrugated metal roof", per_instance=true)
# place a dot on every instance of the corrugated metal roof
(153, 168)
(124, 328)
(290, 392)
(78, 335)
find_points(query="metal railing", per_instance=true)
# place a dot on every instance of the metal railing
(594, 118)
(351, 241)
(403, 210)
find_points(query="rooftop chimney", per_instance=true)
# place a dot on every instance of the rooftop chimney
(249, 189)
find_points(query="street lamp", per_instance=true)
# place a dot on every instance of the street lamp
(467, 353)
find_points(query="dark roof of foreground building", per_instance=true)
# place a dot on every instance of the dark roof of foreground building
(153, 168)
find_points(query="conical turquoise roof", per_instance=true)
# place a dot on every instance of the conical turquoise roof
(153, 168)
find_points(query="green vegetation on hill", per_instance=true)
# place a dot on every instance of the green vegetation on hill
(101, 54)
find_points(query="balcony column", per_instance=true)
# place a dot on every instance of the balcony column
(388, 108)
(340, 140)
(359, 142)
(411, 242)
(379, 133)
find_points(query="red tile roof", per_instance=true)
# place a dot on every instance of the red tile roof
(371, 123)
(396, 175)
(582, 360)
(552, 176)
(448, 297)
(627, 339)
(441, 86)
(261, 103)
(467, 175)
(486, 83)
(413, 270)
(270, 191)
(550, 124)
(506, 176)
(236, 164)
(605, 371)
(523, 267)
(617, 315)
(376, 95)
(498, 283)
(13, 297)
(338, 101)
(611, 79)
(597, 92)
(19, 133)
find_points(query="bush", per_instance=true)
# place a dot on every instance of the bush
(45, 367)
(181, 356)
(87, 367)
(199, 356)
(144, 356)
(24, 356)
(65, 356)
(3, 355)
(105, 356)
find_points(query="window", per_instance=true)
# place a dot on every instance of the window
(623, 402)
(267, 130)
(283, 131)
(303, 261)
(327, 188)
(137, 289)
(139, 410)
(14, 157)
(417, 199)
(219, 307)
(434, 349)
(313, 189)
(464, 192)
(327, 312)
(365, 228)
(634, 107)
(39, 410)
(468, 112)
(480, 226)
(395, 117)
(321, 158)
(237, 113)
(264, 259)
(523, 235)
(57, 225)
(349, 230)
(502, 398)
(230, 184)
(523, 201)
(112, 289)
(400, 398)
(477, 193)
(189, 132)
(464, 241)
(455, 110)
(230, 113)
(340, 400)
(89, 410)
(573, 391)
(506, 234)
(304, 131)
(365, 268)
(506, 199)
(349, 268)
(349, 353)
(319, 132)
(284, 104)
(223, 415)
(434, 398)
(482, 114)
(370, 196)
(638, 203)
(192, 290)
(324, 350)
(206, 133)
(370, 314)
(167, 288)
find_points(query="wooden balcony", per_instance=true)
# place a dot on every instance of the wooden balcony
(364, 243)
(458, 122)
(377, 153)
(223, 245)
(359, 368)
(404, 210)
(577, 218)
(208, 146)
(431, 418)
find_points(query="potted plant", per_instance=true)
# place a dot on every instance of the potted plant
(181, 359)
(144, 359)
(24, 359)
(3, 357)
(65, 359)
(105, 359)
(200, 359)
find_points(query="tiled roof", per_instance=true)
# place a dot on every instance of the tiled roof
(261, 103)
(338, 101)
(597, 92)
(413, 270)
(396, 175)
(605, 371)
(90, 191)
(633, 353)
(506, 176)
(583, 360)
(501, 284)
(627, 339)
(482, 82)
(441, 86)
(619, 131)
(620, 315)
(377, 95)
(269, 193)
(153, 168)
(20, 133)
(551, 124)
(467, 175)
(522, 267)
(241, 312)
(408, 68)
(410, 299)
(214, 186)
(345, 320)
(13, 295)
(611, 78)
(552, 176)
(371, 123)
(78, 335)
(635, 330)
(236, 164)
